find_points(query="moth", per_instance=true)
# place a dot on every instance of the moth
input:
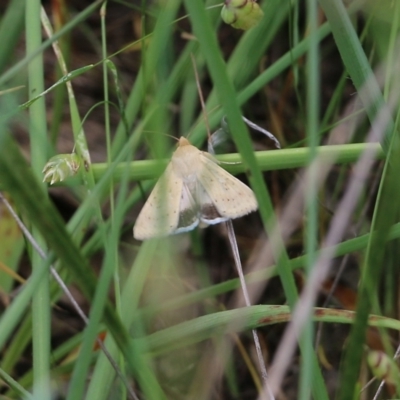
(193, 190)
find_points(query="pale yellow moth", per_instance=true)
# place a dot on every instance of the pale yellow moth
(193, 189)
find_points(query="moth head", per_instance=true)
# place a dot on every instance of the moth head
(183, 142)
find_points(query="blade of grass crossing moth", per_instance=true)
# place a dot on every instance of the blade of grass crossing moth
(227, 96)
(231, 234)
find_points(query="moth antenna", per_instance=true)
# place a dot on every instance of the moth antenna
(161, 133)
(203, 107)
(172, 137)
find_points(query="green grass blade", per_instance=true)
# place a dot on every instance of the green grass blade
(246, 318)
(39, 144)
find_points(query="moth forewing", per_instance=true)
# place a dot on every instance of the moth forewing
(231, 197)
(160, 214)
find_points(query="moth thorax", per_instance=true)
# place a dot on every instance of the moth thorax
(186, 161)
